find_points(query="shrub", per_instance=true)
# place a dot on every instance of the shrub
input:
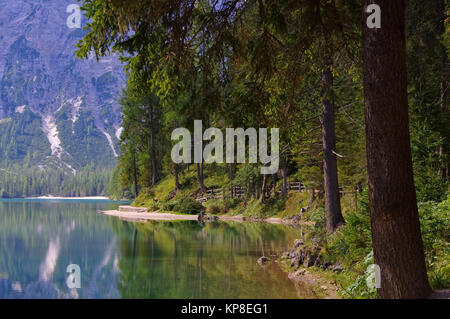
(213, 208)
(230, 203)
(429, 185)
(222, 206)
(274, 205)
(185, 205)
(434, 223)
(153, 206)
(294, 202)
(249, 177)
(254, 208)
(360, 288)
(435, 227)
(354, 241)
(145, 195)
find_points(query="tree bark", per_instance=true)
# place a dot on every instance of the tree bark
(284, 173)
(334, 218)
(444, 148)
(152, 148)
(230, 176)
(135, 178)
(263, 189)
(396, 237)
(312, 198)
(275, 180)
(200, 177)
(177, 179)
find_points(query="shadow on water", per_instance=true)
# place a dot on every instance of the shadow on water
(118, 259)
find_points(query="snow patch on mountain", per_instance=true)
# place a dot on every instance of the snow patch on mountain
(51, 131)
(119, 132)
(110, 142)
(20, 109)
(76, 108)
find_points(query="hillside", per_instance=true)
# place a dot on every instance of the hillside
(56, 111)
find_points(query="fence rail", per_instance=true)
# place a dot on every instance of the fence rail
(239, 191)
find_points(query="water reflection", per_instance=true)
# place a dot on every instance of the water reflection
(39, 239)
(118, 259)
(186, 260)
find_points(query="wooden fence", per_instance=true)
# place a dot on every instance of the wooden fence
(239, 191)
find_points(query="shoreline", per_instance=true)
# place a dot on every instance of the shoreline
(143, 217)
(69, 198)
(134, 216)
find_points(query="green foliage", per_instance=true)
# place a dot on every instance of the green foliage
(435, 227)
(185, 205)
(249, 177)
(17, 182)
(429, 185)
(270, 208)
(22, 140)
(353, 241)
(222, 206)
(359, 288)
(351, 245)
(295, 201)
(144, 198)
(84, 142)
(428, 75)
(435, 223)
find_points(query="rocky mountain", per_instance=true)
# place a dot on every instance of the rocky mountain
(56, 110)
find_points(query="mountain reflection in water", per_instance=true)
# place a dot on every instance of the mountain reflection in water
(118, 259)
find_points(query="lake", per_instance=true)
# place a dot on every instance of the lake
(39, 239)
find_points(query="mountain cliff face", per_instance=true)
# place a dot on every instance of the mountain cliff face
(56, 110)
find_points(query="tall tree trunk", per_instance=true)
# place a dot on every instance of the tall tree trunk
(177, 179)
(200, 177)
(135, 178)
(152, 148)
(334, 218)
(444, 148)
(284, 173)
(263, 189)
(230, 177)
(312, 198)
(275, 180)
(396, 237)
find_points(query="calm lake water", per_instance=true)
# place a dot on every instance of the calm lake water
(118, 259)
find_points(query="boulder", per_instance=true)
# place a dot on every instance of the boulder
(286, 254)
(262, 260)
(309, 260)
(337, 267)
(298, 243)
(203, 217)
(295, 262)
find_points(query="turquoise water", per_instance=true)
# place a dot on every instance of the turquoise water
(119, 259)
